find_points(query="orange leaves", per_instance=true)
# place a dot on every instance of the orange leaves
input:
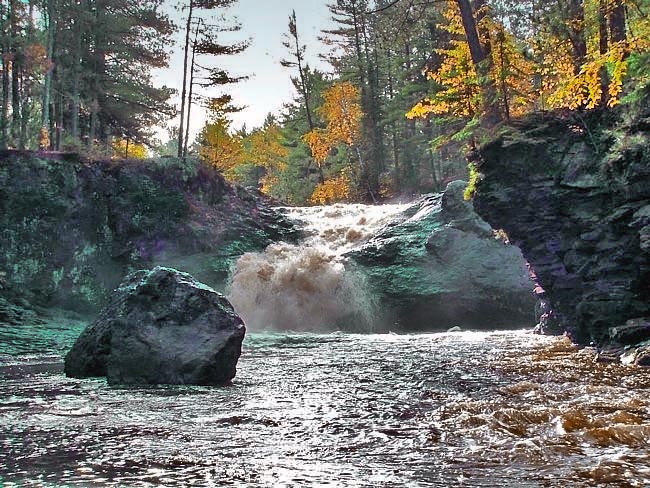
(342, 111)
(35, 58)
(336, 189)
(319, 144)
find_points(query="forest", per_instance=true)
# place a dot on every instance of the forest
(413, 85)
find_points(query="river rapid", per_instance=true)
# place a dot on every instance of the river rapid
(449, 409)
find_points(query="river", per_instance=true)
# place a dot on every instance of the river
(315, 407)
(449, 409)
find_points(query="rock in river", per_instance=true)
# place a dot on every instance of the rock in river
(439, 264)
(161, 327)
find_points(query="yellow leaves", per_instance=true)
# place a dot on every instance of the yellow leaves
(264, 149)
(421, 110)
(342, 111)
(126, 149)
(586, 88)
(44, 139)
(336, 189)
(220, 148)
(538, 72)
(460, 93)
(319, 143)
(234, 155)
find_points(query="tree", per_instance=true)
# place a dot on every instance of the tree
(220, 148)
(265, 150)
(342, 111)
(355, 57)
(478, 37)
(297, 51)
(205, 43)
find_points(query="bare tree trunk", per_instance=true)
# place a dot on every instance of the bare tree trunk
(16, 68)
(188, 29)
(393, 128)
(480, 51)
(303, 81)
(47, 88)
(617, 22)
(25, 110)
(189, 97)
(603, 48)
(76, 75)
(471, 32)
(4, 116)
(577, 33)
(59, 124)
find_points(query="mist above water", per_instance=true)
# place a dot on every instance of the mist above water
(310, 286)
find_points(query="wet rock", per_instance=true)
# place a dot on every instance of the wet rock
(575, 199)
(161, 327)
(633, 331)
(439, 264)
(72, 230)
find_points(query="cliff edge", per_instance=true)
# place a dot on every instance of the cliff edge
(574, 195)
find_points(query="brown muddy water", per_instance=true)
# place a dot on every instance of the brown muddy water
(454, 409)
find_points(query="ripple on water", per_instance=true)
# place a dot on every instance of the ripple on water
(462, 409)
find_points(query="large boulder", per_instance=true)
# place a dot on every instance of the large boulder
(161, 327)
(440, 265)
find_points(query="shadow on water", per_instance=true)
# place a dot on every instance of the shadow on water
(453, 409)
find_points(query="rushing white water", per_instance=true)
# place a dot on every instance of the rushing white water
(307, 286)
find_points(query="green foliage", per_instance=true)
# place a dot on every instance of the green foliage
(89, 61)
(474, 178)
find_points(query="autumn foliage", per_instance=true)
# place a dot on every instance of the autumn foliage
(537, 72)
(342, 111)
(334, 189)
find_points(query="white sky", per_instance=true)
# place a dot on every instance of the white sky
(269, 85)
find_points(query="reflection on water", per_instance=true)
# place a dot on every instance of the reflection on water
(456, 409)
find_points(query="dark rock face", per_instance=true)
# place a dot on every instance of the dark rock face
(576, 199)
(440, 265)
(161, 327)
(72, 230)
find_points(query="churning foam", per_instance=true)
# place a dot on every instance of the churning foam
(310, 286)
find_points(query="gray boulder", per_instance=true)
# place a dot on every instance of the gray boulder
(440, 264)
(161, 327)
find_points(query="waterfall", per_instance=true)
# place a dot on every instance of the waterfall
(311, 286)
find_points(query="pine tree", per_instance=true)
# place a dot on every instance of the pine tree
(205, 43)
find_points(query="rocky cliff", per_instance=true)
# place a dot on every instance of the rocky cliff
(72, 230)
(574, 195)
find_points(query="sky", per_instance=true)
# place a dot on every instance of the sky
(263, 22)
